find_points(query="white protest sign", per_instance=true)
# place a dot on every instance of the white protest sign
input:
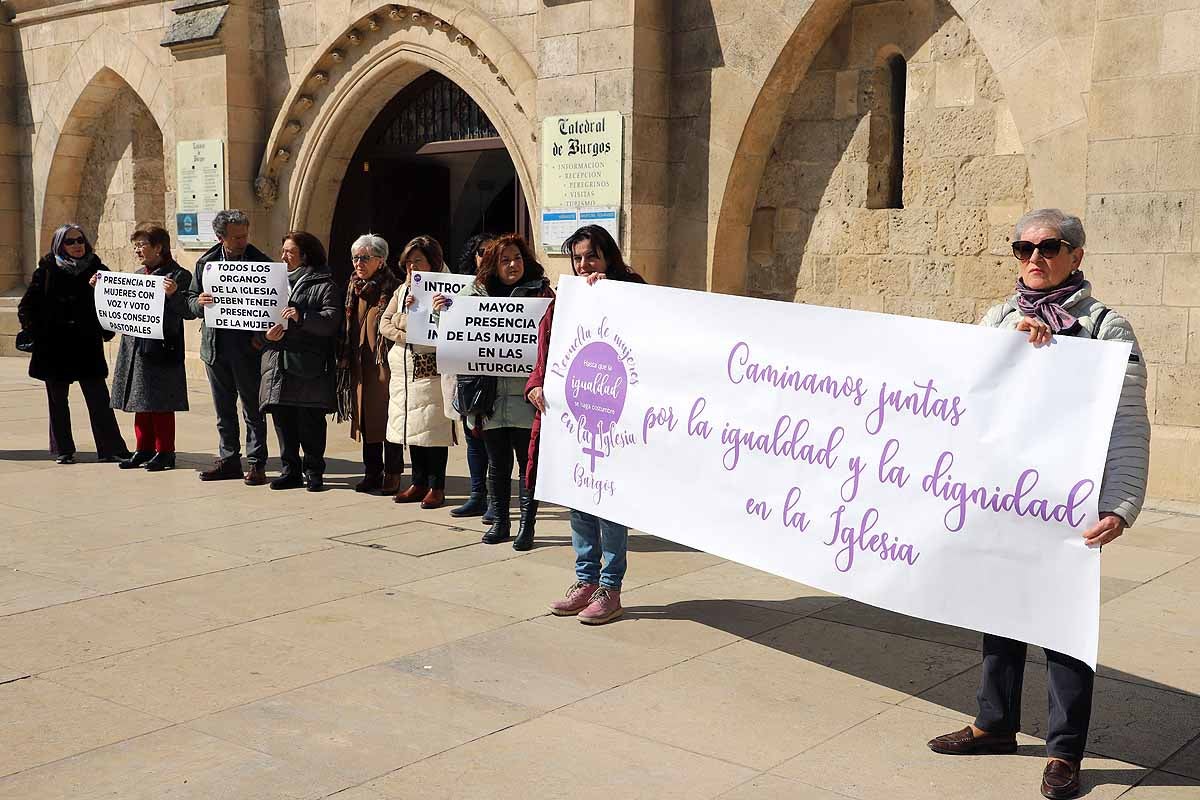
(131, 304)
(422, 319)
(490, 335)
(247, 295)
(939, 470)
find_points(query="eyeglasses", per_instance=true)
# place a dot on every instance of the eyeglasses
(361, 259)
(1049, 248)
(76, 240)
(138, 246)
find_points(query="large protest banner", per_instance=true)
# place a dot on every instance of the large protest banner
(939, 470)
(490, 335)
(247, 295)
(131, 304)
(422, 319)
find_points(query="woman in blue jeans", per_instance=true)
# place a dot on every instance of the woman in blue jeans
(600, 544)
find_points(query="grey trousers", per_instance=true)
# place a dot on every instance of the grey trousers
(237, 375)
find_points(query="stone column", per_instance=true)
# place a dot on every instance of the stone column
(12, 268)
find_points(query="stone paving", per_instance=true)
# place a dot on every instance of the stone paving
(161, 637)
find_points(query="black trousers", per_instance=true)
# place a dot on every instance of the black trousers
(504, 445)
(429, 466)
(232, 376)
(106, 432)
(1069, 687)
(300, 428)
(381, 457)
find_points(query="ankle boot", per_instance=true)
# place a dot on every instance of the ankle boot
(137, 459)
(476, 504)
(529, 507)
(160, 462)
(390, 484)
(500, 495)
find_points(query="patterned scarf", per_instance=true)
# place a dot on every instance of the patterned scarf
(64, 261)
(1046, 304)
(376, 292)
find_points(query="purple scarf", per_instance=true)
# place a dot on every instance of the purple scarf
(1046, 304)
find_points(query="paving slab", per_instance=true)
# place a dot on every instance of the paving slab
(22, 590)
(774, 787)
(731, 581)
(1186, 761)
(1164, 786)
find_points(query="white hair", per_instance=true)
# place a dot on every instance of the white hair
(1069, 226)
(377, 245)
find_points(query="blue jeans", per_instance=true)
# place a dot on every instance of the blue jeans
(477, 463)
(593, 537)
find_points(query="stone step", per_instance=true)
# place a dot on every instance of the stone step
(9, 323)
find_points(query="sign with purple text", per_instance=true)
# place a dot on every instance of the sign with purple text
(131, 304)
(489, 335)
(940, 470)
(422, 324)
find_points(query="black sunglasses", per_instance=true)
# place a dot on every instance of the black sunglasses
(1049, 248)
(479, 251)
(77, 240)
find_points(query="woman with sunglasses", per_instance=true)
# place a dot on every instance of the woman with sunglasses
(58, 311)
(1054, 299)
(477, 460)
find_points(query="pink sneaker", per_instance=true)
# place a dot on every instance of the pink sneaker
(576, 599)
(605, 607)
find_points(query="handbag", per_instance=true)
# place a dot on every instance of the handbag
(25, 341)
(475, 395)
(424, 365)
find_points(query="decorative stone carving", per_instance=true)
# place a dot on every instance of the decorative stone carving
(293, 126)
(320, 78)
(372, 24)
(338, 56)
(304, 102)
(266, 190)
(396, 12)
(417, 16)
(283, 154)
(439, 24)
(355, 36)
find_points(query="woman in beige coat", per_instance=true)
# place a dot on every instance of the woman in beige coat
(417, 410)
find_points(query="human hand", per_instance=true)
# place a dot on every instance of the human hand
(292, 313)
(441, 302)
(595, 278)
(169, 286)
(275, 332)
(409, 301)
(205, 299)
(538, 398)
(1108, 528)
(92, 280)
(1039, 332)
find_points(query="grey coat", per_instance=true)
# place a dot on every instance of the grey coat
(242, 340)
(148, 374)
(1123, 487)
(299, 369)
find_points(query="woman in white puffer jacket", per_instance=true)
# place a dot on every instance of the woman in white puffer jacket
(1053, 299)
(417, 409)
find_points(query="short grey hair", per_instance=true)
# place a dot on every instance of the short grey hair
(1069, 226)
(376, 244)
(230, 216)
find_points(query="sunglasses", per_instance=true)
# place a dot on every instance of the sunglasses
(76, 240)
(479, 251)
(1049, 248)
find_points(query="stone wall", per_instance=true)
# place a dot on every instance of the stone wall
(822, 232)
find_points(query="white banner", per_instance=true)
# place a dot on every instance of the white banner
(131, 304)
(422, 319)
(247, 295)
(490, 335)
(939, 470)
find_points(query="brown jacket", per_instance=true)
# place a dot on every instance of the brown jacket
(370, 374)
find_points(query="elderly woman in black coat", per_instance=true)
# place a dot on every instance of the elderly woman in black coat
(59, 312)
(299, 369)
(149, 379)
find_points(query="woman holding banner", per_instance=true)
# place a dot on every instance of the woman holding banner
(298, 368)
(417, 410)
(363, 374)
(600, 544)
(1053, 298)
(59, 311)
(149, 379)
(477, 460)
(508, 269)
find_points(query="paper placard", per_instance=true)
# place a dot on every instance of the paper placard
(200, 191)
(131, 304)
(558, 224)
(940, 470)
(247, 295)
(422, 319)
(490, 335)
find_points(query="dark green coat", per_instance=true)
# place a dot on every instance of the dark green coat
(299, 369)
(242, 340)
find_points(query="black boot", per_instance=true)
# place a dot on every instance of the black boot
(529, 507)
(476, 504)
(137, 459)
(499, 497)
(160, 462)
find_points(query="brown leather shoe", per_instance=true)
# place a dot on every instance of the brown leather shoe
(413, 494)
(256, 476)
(966, 743)
(391, 483)
(435, 499)
(1060, 780)
(224, 469)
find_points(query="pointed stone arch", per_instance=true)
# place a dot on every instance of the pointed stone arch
(103, 65)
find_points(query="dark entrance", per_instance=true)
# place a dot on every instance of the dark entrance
(431, 163)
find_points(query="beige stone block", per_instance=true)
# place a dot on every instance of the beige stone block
(1179, 163)
(845, 104)
(1178, 401)
(1193, 348)
(992, 180)
(1122, 165)
(1161, 332)
(962, 132)
(567, 95)
(1008, 138)
(652, 49)
(1174, 461)
(600, 50)
(933, 277)
(1181, 281)
(1126, 280)
(1005, 29)
(558, 56)
(1127, 47)
(912, 231)
(613, 13)
(651, 93)
(1110, 9)
(1180, 52)
(962, 231)
(1137, 107)
(853, 274)
(984, 278)
(1138, 223)
(919, 85)
(954, 83)
(1058, 106)
(563, 18)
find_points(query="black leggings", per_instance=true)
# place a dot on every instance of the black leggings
(380, 457)
(429, 466)
(503, 445)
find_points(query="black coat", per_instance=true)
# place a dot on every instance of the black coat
(300, 369)
(149, 374)
(211, 339)
(59, 309)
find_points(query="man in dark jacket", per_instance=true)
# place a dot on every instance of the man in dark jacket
(232, 362)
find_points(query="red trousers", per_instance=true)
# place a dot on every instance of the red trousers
(155, 431)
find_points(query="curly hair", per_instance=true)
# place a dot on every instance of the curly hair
(466, 258)
(488, 278)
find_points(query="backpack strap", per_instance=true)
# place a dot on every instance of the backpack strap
(1095, 333)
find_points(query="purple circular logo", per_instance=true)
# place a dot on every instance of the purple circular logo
(596, 386)
(416, 278)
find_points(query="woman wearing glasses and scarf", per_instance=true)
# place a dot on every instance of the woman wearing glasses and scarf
(59, 312)
(1054, 299)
